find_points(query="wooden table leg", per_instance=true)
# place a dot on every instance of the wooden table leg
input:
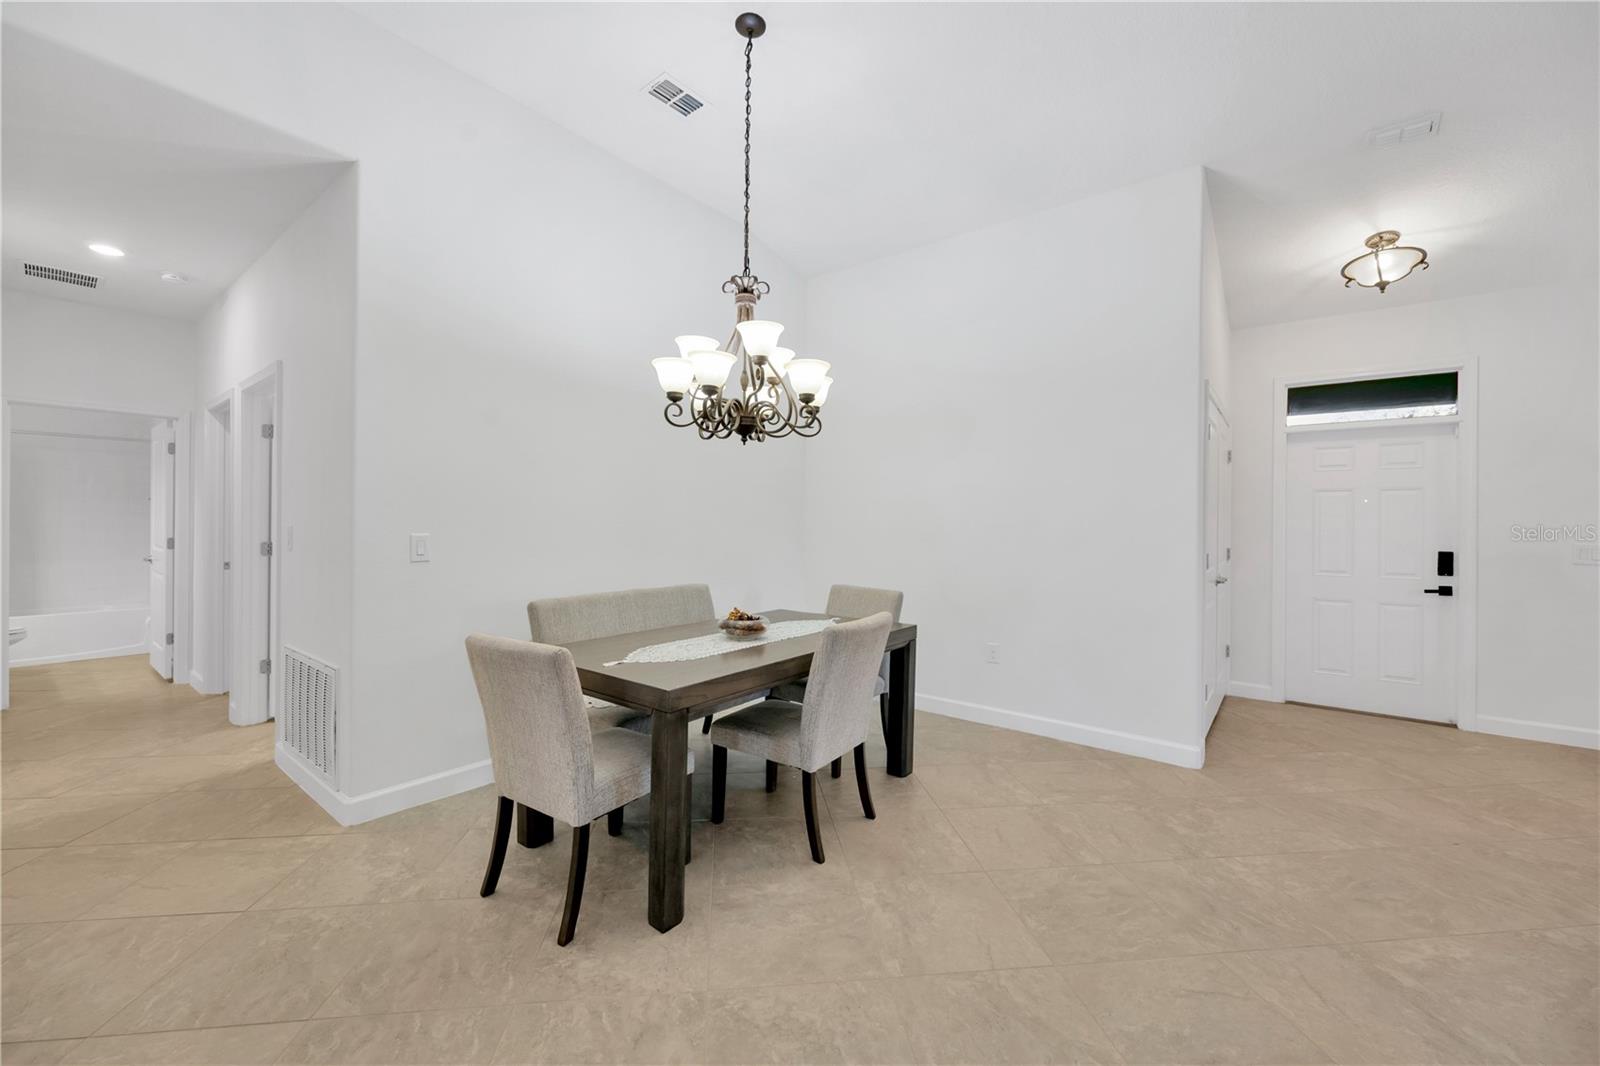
(534, 829)
(902, 713)
(669, 800)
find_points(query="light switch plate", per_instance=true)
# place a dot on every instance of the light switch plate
(419, 547)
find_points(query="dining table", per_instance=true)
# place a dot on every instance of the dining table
(676, 694)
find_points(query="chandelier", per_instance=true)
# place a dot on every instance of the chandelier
(777, 394)
(1385, 264)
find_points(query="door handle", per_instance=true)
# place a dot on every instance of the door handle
(1442, 590)
(1219, 581)
(148, 559)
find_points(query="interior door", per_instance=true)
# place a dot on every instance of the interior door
(1370, 621)
(1216, 597)
(158, 626)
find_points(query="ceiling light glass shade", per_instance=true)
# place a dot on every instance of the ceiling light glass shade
(689, 344)
(779, 358)
(675, 374)
(759, 337)
(822, 393)
(1385, 264)
(711, 368)
(806, 375)
(107, 249)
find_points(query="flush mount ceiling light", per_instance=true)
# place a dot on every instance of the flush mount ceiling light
(778, 395)
(106, 249)
(1385, 264)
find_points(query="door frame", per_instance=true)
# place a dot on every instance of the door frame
(183, 527)
(1224, 634)
(213, 658)
(249, 632)
(1466, 597)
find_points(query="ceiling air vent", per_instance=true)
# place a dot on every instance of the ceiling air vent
(66, 277)
(670, 93)
(1412, 129)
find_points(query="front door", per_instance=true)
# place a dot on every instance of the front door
(1370, 621)
(158, 627)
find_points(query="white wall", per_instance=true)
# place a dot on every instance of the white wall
(514, 282)
(295, 306)
(1538, 619)
(65, 352)
(1017, 425)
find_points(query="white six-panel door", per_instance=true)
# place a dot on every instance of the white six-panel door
(1368, 512)
(159, 623)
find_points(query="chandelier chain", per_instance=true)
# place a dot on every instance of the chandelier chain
(749, 47)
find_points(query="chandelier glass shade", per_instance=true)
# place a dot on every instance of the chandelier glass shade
(1385, 264)
(774, 393)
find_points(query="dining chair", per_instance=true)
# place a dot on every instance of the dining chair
(831, 720)
(565, 619)
(850, 601)
(548, 753)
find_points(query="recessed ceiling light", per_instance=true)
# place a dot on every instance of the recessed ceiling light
(107, 249)
(171, 276)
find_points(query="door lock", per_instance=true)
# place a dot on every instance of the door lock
(1442, 590)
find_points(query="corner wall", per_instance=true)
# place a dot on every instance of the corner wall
(1538, 465)
(1017, 422)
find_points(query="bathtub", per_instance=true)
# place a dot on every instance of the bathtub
(65, 636)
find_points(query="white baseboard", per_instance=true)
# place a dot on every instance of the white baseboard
(1186, 755)
(80, 656)
(1251, 690)
(353, 810)
(1522, 729)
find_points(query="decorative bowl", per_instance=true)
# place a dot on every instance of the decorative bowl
(743, 628)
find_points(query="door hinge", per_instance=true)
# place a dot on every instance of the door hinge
(1208, 561)
(1227, 554)
(172, 448)
(226, 565)
(266, 547)
(1227, 651)
(1230, 455)
(171, 544)
(169, 638)
(266, 431)
(265, 666)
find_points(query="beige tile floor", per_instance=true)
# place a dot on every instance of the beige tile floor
(1332, 887)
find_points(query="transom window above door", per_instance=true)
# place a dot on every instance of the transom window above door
(1373, 399)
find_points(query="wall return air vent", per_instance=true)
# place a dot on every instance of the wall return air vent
(674, 96)
(66, 277)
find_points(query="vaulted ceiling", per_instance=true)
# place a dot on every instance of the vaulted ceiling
(880, 127)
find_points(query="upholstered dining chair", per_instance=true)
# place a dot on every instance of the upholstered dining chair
(851, 601)
(565, 619)
(550, 754)
(832, 720)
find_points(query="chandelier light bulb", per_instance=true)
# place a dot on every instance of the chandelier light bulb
(711, 368)
(689, 344)
(806, 376)
(759, 337)
(674, 373)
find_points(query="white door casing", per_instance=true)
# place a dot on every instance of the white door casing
(1368, 509)
(159, 622)
(1216, 596)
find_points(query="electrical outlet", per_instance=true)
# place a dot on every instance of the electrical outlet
(419, 547)
(992, 654)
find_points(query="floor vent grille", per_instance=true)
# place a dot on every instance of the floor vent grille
(66, 277)
(309, 712)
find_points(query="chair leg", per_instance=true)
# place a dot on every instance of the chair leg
(497, 846)
(861, 782)
(614, 822)
(575, 872)
(705, 726)
(837, 768)
(808, 792)
(719, 783)
(772, 776)
(535, 829)
(688, 820)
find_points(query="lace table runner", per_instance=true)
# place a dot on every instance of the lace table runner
(678, 651)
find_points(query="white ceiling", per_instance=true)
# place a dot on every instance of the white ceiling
(95, 154)
(880, 127)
